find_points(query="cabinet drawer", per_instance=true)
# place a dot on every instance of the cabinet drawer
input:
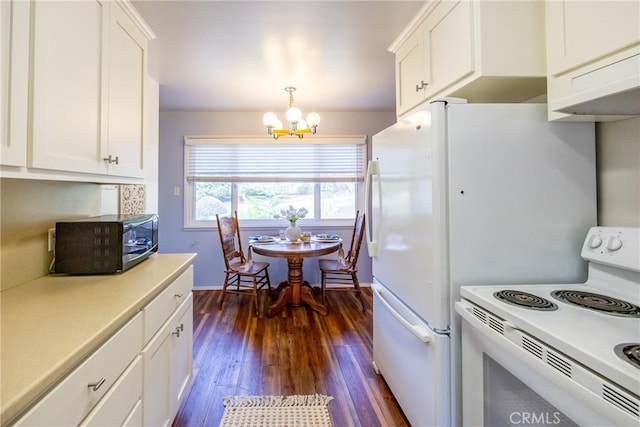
(159, 310)
(73, 398)
(121, 402)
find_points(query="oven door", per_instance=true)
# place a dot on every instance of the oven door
(505, 385)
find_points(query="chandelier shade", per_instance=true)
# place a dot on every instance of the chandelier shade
(297, 125)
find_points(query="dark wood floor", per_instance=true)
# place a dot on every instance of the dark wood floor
(296, 352)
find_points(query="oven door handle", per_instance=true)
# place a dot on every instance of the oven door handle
(418, 330)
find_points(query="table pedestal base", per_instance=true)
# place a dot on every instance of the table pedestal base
(287, 296)
(295, 291)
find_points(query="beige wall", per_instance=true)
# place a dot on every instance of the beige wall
(618, 164)
(28, 208)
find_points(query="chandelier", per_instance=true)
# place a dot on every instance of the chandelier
(297, 125)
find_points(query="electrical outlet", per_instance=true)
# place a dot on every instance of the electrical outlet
(51, 240)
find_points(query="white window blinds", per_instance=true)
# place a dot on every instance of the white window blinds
(339, 159)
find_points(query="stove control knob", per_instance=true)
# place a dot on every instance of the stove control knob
(614, 243)
(594, 241)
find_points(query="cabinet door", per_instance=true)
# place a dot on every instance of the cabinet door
(126, 59)
(448, 44)
(167, 367)
(156, 395)
(585, 31)
(14, 81)
(68, 86)
(183, 356)
(410, 73)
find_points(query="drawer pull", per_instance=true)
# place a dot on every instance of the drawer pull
(181, 327)
(177, 331)
(178, 295)
(96, 386)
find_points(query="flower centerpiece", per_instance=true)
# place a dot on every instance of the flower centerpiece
(292, 215)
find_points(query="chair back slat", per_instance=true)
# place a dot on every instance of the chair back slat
(229, 239)
(356, 240)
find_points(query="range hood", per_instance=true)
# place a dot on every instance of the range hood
(610, 90)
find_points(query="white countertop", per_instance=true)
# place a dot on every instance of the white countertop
(49, 325)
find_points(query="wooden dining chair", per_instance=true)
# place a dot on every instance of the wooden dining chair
(243, 276)
(344, 272)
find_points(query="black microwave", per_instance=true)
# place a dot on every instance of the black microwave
(104, 244)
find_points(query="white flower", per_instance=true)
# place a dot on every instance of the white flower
(292, 214)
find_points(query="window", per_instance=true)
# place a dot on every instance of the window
(258, 177)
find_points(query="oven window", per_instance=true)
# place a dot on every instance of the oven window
(509, 402)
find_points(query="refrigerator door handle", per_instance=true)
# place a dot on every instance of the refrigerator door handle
(419, 331)
(372, 169)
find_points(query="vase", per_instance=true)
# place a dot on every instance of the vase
(293, 232)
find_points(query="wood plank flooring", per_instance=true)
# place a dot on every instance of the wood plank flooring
(296, 352)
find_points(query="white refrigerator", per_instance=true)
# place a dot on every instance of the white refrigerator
(463, 194)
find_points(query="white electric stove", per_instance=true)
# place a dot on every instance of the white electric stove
(568, 345)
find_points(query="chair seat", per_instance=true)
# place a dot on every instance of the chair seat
(239, 268)
(331, 265)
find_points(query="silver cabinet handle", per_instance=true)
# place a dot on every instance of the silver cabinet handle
(177, 331)
(421, 86)
(112, 159)
(178, 295)
(96, 386)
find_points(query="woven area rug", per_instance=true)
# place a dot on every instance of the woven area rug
(276, 411)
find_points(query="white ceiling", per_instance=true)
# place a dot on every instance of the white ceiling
(240, 55)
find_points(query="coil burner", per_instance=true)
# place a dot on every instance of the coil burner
(525, 300)
(601, 303)
(629, 352)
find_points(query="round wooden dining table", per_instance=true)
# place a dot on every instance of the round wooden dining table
(295, 291)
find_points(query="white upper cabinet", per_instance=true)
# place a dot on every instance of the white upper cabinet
(69, 96)
(410, 75)
(481, 50)
(14, 82)
(87, 90)
(127, 71)
(593, 59)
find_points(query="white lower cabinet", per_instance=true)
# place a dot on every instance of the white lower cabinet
(137, 378)
(121, 406)
(78, 394)
(167, 367)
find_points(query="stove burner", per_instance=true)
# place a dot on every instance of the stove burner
(629, 352)
(598, 302)
(525, 300)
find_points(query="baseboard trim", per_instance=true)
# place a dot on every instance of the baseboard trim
(219, 287)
